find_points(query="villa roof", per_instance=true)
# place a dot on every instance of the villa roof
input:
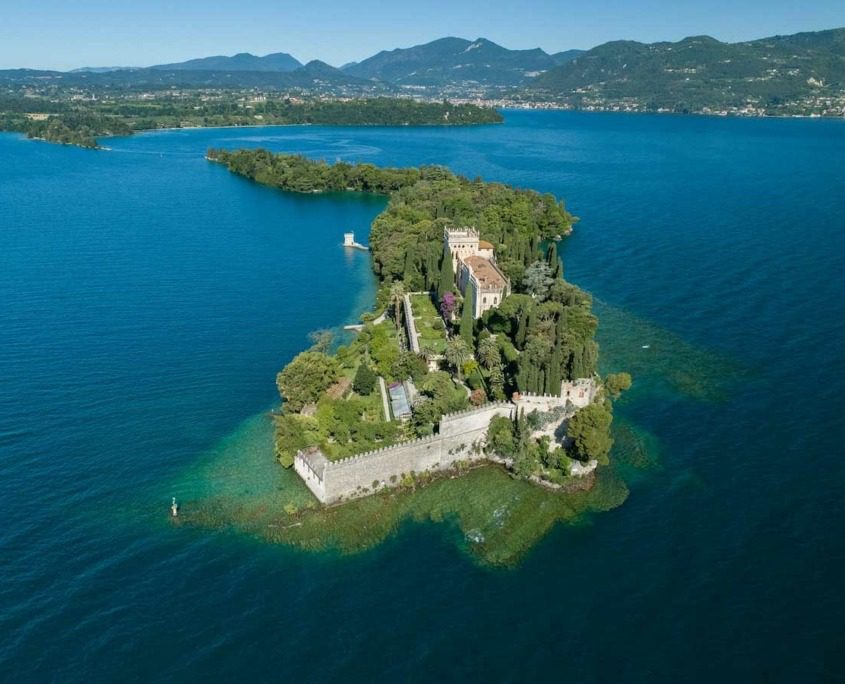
(483, 244)
(485, 271)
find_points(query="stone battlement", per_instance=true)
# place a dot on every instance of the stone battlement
(477, 409)
(381, 450)
(462, 232)
(461, 437)
(455, 415)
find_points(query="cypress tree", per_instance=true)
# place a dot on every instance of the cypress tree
(527, 255)
(553, 378)
(468, 318)
(530, 323)
(410, 268)
(578, 362)
(553, 260)
(551, 255)
(447, 275)
(521, 331)
(531, 254)
(431, 269)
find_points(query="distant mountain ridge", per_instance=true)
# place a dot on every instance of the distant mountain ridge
(101, 70)
(450, 61)
(243, 61)
(801, 74)
(315, 75)
(702, 72)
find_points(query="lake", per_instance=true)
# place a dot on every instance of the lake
(147, 299)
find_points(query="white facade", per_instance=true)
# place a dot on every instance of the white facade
(474, 265)
(460, 243)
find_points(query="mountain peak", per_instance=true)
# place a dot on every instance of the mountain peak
(454, 61)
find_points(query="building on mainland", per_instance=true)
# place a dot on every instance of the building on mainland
(474, 264)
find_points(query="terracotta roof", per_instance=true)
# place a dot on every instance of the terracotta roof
(483, 244)
(486, 272)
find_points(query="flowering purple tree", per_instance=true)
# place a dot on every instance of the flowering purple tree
(447, 305)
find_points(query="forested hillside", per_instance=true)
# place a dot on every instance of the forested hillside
(701, 73)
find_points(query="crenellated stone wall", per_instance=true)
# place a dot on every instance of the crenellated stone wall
(461, 437)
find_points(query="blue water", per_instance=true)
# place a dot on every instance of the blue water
(147, 298)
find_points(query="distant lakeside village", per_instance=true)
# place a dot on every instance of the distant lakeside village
(478, 352)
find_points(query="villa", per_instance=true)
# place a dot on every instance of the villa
(474, 264)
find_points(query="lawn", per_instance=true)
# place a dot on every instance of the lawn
(426, 319)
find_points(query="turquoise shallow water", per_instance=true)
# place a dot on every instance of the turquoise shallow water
(147, 299)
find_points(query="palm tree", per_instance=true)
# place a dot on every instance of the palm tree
(428, 353)
(488, 353)
(457, 353)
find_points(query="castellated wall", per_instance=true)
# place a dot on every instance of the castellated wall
(461, 438)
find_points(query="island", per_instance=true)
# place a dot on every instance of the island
(479, 351)
(64, 116)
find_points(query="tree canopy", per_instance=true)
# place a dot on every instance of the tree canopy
(589, 430)
(305, 378)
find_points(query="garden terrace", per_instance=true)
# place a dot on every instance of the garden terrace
(429, 324)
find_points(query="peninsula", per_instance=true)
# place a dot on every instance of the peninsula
(68, 117)
(478, 351)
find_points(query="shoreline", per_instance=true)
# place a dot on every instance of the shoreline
(325, 125)
(146, 131)
(491, 123)
(709, 115)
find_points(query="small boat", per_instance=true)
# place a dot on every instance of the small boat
(646, 346)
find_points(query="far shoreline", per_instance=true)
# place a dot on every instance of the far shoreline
(555, 110)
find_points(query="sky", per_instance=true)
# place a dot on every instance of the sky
(66, 34)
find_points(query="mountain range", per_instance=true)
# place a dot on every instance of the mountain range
(314, 76)
(695, 74)
(440, 63)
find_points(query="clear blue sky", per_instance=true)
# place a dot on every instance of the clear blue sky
(64, 34)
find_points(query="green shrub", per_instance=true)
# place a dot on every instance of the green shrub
(365, 380)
